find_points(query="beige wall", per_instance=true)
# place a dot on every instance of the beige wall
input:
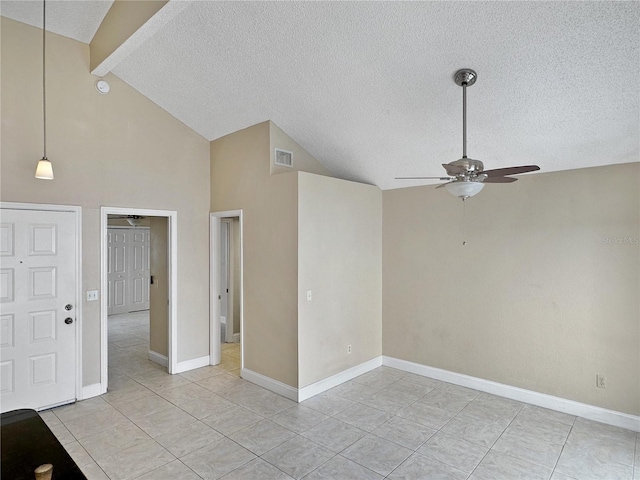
(159, 290)
(340, 261)
(240, 180)
(538, 298)
(117, 150)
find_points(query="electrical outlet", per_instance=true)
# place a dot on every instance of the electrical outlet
(601, 381)
(348, 348)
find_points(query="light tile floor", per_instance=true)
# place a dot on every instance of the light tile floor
(209, 423)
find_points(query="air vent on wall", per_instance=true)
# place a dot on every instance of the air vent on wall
(284, 158)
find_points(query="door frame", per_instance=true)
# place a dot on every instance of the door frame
(77, 211)
(214, 282)
(172, 225)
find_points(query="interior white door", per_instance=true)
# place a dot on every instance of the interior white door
(117, 275)
(37, 309)
(224, 276)
(139, 271)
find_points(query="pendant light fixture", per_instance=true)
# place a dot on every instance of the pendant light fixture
(44, 170)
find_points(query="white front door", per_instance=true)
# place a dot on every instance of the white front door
(139, 274)
(117, 276)
(37, 308)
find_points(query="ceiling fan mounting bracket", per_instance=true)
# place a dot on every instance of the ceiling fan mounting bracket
(465, 76)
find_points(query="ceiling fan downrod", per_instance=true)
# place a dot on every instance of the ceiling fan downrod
(464, 78)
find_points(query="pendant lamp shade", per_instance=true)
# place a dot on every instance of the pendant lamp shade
(44, 170)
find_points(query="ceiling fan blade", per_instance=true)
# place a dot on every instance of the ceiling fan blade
(501, 172)
(499, 179)
(443, 184)
(453, 169)
(423, 178)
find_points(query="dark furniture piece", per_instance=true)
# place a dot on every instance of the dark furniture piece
(28, 443)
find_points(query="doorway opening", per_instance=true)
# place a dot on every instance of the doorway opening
(139, 284)
(226, 295)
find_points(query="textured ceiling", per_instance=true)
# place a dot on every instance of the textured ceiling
(367, 87)
(74, 19)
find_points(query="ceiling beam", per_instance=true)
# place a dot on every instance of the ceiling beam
(127, 26)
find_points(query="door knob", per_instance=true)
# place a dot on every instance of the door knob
(68, 320)
(68, 307)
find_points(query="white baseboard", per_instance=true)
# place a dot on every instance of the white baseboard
(335, 380)
(299, 395)
(590, 412)
(269, 383)
(192, 364)
(158, 358)
(92, 391)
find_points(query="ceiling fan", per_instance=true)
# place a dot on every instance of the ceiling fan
(467, 176)
(134, 220)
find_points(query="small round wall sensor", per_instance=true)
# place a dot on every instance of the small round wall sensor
(103, 87)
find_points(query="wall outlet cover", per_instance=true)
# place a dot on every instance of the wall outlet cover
(92, 295)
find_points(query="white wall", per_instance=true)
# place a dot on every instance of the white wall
(340, 261)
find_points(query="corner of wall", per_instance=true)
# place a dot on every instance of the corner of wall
(302, 160)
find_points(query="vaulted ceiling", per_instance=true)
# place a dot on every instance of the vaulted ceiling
(367, 87)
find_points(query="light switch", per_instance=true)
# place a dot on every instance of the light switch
(92, 295)
(308, 295)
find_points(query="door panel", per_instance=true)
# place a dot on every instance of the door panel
(140, 274)
(117, 276)
(224, 270)
(37, 281)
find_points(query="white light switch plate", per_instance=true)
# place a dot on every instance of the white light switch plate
(92, 295)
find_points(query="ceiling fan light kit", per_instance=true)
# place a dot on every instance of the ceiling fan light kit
(464, 189)
(467, 176)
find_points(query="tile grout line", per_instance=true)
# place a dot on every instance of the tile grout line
(563, 446)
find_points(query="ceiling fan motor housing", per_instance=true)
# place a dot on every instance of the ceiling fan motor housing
(470, 165)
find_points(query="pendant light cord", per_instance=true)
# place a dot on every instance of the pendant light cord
(44, 84)
(464, 217)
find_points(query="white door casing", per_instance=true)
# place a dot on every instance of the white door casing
(139, 269)
(38, 335)
(172, 218)
(118, 271)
